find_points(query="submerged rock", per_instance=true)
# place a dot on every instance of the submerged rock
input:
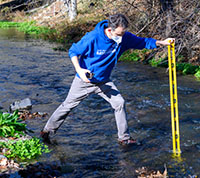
(145, 173)
(25, 114)
(7, 166)
(3, 160)
(21, 105)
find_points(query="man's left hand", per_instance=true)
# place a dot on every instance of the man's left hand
(165, 42)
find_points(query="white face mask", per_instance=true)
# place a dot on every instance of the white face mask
(117, 39)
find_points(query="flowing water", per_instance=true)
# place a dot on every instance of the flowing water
(87, 141)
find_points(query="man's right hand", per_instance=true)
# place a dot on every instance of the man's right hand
(82, 73)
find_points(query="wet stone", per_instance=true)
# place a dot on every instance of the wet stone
(21, 105)
(3, 160)
(7, 166)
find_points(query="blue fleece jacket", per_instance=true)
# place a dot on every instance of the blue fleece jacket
(99, 54)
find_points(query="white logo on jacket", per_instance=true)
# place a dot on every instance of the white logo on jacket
(101, 52)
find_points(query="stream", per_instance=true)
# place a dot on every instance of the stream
(87, 141)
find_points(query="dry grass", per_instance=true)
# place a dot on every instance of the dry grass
(4, 1)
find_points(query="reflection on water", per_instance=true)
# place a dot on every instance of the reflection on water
(87, 141)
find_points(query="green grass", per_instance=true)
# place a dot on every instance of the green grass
(27, 27)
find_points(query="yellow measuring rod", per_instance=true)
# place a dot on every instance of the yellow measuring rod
(174, 100)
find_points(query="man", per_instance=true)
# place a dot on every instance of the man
(94, 57)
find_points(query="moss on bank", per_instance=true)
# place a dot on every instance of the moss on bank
(64, 32)
(27, 27)
(184, 68)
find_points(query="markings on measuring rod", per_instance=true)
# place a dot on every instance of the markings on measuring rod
(174, 100)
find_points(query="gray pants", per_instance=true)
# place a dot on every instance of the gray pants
(80, 90)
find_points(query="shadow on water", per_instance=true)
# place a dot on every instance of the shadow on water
(87, 141)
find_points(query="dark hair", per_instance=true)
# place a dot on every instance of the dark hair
(117, 20)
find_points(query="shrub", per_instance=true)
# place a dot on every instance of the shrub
(197, 74)
(11, 126)
(27, 149)
(130, 56)
(187, 68)
(155, 63)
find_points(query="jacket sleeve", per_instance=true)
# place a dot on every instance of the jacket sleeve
(134, 42)
(81, 47)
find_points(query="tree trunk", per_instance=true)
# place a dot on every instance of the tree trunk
(166, 5)
(73, 10)
(168, 23)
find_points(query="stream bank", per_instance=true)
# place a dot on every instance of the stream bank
(75, 31)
